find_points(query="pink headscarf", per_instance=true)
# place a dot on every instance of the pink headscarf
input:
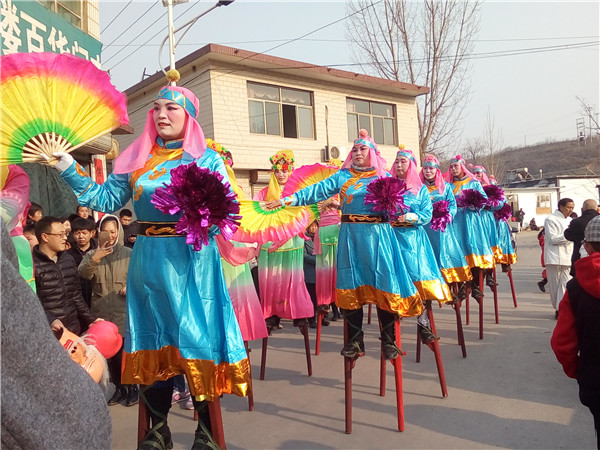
(135, 156)
(375, 158)
(413, 182)
(475, 169)
(432, 161)
(458, 159)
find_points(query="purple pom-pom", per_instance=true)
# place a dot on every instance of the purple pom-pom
(441, 216)
(470, 198)
(503, 213)
(387, 196)
(203, 200)
(495, 195)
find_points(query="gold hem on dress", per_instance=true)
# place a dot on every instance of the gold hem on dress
(394, 303)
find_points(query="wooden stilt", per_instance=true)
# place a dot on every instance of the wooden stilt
(480, 301)
(512, 285)
(216, 423)
(467, 309)
(397, 363)
(250, 392)
(263, 359)
(369, 314)
(495, 292)
(320, 316)
(438, 355)
(304, 331)
(143, 419)
(459, 330)
(349, 364)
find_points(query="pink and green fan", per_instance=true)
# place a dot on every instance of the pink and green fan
(262, 225)
(305, 176)
(54, 102)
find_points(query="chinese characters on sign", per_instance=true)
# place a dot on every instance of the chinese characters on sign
(28, 27)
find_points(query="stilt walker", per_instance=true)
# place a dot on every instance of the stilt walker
(370, 266)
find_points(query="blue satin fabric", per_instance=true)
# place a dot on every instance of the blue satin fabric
(468, 224)
(503, 233)
(415, 246)
(175, 296)
(368, 254)
(445, 244)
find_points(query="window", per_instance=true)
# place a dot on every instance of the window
(542, 204)
(71, 11)
(280, 111)
(378, 119)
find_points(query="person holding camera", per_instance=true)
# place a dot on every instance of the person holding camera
(106, 267)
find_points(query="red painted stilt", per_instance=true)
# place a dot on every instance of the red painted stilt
(304, 331)
(512, 285)
(250, 392)
(495, 292)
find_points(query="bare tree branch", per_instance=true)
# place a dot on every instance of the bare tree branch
(424, 42)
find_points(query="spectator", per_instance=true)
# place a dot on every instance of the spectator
(541, 239)
(83, 212)
(576, 229)
(56, 277)
(557, 251)
(576, 338)
(35, 212)
(70, 240)
(106, 267)
(520, 217)
(125, 217)
(130, 229)
(84, 231)
(29, 233)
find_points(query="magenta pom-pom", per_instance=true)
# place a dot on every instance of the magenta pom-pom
(203, 200)
(386, 194)
(495, 195)
(470, 198)
(504, 213)
(441, 216)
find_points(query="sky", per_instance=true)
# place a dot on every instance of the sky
(544, 54)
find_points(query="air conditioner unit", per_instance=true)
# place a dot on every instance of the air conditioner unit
(334, 152)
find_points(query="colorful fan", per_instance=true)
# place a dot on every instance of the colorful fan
(261, 225)
(306, 176)
(52, 103)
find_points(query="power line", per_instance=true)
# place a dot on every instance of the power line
(132, 24)
(152, 37)
(118, 14)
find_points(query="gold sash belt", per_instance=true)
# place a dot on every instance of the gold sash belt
(158, 229)
(362, 218)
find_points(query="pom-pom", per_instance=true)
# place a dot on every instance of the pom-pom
(495, 195)
(203, 199)
(387, 196)
(471, 165)
(441, 216)
(173, 76)
(362, 133)
(503, 213)
(401, 147)
(471, 198)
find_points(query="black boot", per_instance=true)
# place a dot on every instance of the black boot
(427, 336)
(335, 312)
(489, 279)
(119, 395)
(203, 439)
(387, 322)
(355, 346)
(158, 401)
(462, 291)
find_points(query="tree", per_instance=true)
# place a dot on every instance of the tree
(493, 140)
(426, 43)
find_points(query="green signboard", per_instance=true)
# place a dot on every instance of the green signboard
(28, 27)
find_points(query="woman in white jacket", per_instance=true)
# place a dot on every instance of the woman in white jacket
(558, 250)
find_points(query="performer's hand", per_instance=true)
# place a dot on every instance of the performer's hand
(123, 291)
(98, 320)
(270, 206)
(61, 161)
(56, 325)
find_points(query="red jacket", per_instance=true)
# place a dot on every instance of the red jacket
(565, 339)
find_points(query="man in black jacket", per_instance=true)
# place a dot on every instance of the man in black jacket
(576, 229)
(56, 276)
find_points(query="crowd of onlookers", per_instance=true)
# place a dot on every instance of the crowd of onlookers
(81, 275)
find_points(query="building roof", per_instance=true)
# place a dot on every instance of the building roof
(254, 60)
(550, 182)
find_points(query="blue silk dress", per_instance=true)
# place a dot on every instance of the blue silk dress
(416, 249)
(370, 266)
(470, 231)
(448, 252)
(180, 316)
(507, 252)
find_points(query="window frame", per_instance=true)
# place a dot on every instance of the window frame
(360, 118)
(283, 124)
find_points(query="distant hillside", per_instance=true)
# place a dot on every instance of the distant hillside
(554, 158)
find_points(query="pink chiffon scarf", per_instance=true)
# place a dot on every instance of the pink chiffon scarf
(448, 176)
(413, 181)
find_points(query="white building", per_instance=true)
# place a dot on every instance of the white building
(539, 198)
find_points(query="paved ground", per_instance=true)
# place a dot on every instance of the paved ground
(509, 392)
